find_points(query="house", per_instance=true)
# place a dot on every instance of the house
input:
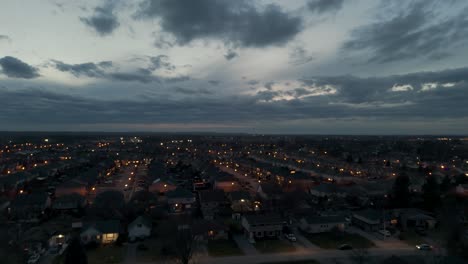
(204, 230)
(227, 183)
(413, 217)
(29, 207)
(140, 228)
(241, 202)
(162, 186)
(328, 190)
(100, 232)
(320, 224)
(70, 202)
(210, 202)
(180, 200)
(269, 191)
(262, 225)
(72, 186)
(368, 220)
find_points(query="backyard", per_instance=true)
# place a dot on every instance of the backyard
(222, 248)
(274, 246)
(331, 240)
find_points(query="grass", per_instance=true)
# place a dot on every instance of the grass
(274, 246)
(308, 261)
(222, 248)
(411, 238)
(153, 253)
(330, 240)
(106, 254)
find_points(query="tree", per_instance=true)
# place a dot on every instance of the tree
(181, 245)
(75, 253)
(400, 192)
(184, 245)
(431, 193)
(359, 256)
(445, 184)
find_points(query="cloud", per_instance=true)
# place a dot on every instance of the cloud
(320, 97)
(401, 88)
(253, 82)
(298, 56)
(416, 31)
(103, 21)
(324, 6)
(107, 70)
(15, 68)
(161, 62)
(5, 38)
(235, 22)
(88, 69)
(230, 55)
(187, 91)
(214, 82)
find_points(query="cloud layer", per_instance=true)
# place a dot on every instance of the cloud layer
(235, 22)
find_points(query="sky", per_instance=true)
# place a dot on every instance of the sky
(258, 66)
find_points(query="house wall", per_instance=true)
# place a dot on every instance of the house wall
(320, 227)
(263, 230)
(365, 225)
(139, 232)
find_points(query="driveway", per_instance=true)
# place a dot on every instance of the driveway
(244, 245)
(389, 242)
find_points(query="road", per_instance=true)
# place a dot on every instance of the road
(324, 256)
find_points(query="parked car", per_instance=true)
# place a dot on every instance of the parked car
(345, 247)
(385, 233)
(425, 247)
(288, 234)
(291, 237)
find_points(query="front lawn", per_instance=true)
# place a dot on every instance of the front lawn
(153, 252)
(106, 254)
(222, 248)
(308, 261)
(411, 238)
(331, 240)
(274, 246)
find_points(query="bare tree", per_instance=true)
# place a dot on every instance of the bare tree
(359, 256)
(184, 245)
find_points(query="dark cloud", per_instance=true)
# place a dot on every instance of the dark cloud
(237, 22)
(15, 68)
(187, 91)
(299, 56)
(106, 70)
(88, 69)
(5, 38)
(161, 62)
(214, 82)
(269, 85)
(253, 82)
(416, 30)
(230, 55)
(140, 75)
(103, 21)
(324, 6)
(356, 98)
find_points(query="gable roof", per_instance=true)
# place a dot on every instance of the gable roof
(179, 193)
(30, 199)
(314, 219)
(208, 196)
(144, 220)
(271, 218)
(239, 195)
(104, 226)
